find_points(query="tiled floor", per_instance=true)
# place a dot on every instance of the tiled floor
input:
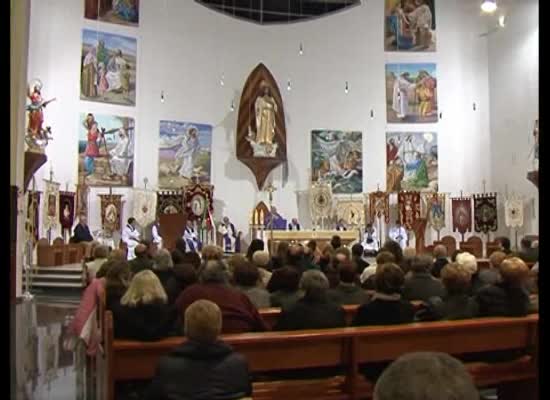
(43, 369)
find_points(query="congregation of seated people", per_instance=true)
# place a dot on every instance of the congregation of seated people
(153, 296)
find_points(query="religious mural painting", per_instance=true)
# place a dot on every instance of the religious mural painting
(184, 153)
(108, 68)
(337, 158)
(411, 93)
(106, 150)
(411, 161)
(123, 12)
(410, 25)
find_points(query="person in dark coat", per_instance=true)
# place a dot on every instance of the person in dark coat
(279, 259)
(508, 298)
(246, 278)
(504, 244)
(357, 256)
(255, 245)
(315, 310)
(527, 252)
(81, 231)
(284, 287)
(440, 255)
(203, 367)
(184, 275)
(238, 312)
(143, 312)
(347, 291)
(422, 285)
(386, 306)
(142, 260)
(457, 304)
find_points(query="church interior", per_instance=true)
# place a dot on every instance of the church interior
(274, 199)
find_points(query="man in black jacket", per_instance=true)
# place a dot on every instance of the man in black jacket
(82, 231)
(203, 367)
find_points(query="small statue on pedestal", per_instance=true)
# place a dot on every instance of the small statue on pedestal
(36, 136)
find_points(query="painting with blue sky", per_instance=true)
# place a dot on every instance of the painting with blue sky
(411, 93)
(108, 68)
(184, 153)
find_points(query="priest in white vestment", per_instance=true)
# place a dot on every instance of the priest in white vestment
(130, 236)
(370, 240)
(191, 238)
(398, 234)
(155, 232)
(400, 100)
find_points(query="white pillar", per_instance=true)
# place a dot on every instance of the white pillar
(19, 45)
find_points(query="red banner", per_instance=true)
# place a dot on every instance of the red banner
(409, 208)
(66, 209)
(462, 214)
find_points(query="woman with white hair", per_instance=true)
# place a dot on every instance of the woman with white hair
(143, 312)
(314, 310)
(163, 266)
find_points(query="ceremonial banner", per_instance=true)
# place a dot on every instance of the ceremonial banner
(436, 210)
(409, 208)
(82, 191)
(33, 203)
(169, 202)
(145, 206)
(198, 202)
(513, 212)
(261, 132)
(66, 210)
(351, 211)
(50, 214)
(379, 205)
(462, 214)
(111, 212)
(321, 200)
(485, 212)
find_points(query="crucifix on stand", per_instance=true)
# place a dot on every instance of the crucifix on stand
(270, 189)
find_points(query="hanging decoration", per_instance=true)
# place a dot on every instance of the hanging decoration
(485, 212)
(198, 202)
(462, 215)
(66, 210)
(169, 202)
(50, 214)
(261, 132)
(82, 191)
(320, 201)
(351, 211)
(513, 212)
(111, 212)
(436, 210)
(409, 208)
(145, 206)
(379, 206)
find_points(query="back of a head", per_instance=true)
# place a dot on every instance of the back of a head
(117, 254)
(342, 254)
(261, 258)
(141, 250)
(312, 245)
(101, 251)
(118, 274)
(314, 284)
(421, 264)
(440, 251)
(468, 262)
(525, 243)
(425, 376)
(504, 242)
(389, 279)
(185, 274)
(282, 250)
(202, 321)
(328, 250)
(336, 242)
(163, 260)
(455, 278)
(409, 252)
(496, 258)
(177, 257)
(394, 248)
(347, 271)
(385, 257)
(144, 288)
(255, 245)
(357, 250)
(514, 271)
(214, 272)
(295, 256)
(289, 278)
(212, 252)
(181, 245)
(192, 258)
(246, 274)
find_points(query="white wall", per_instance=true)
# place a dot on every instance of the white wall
(183, 49)
(514, 94)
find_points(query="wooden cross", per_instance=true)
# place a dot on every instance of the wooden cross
(270, 189)
(378, 187)
(145, 181)
(51, 173)
(461, 193)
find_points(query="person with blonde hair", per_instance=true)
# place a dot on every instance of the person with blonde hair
(211, 252)
(440, 260)
(210, 368)
(261, 260)
(163, 266)
(143, 312)
(509, 297)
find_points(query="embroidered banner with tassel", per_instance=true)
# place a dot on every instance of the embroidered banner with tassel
(513, 212)
(111, 212)
(462, 214)
(145, 206)
(50, 214)
(66, 210)
(485, 212)
(436, 210)
(379, 206)
(409, 208)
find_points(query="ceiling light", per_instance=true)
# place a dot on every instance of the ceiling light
(489, 6)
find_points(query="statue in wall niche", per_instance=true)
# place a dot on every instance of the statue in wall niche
(265, 107)
(36, 136)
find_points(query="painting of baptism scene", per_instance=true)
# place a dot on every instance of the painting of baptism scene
(106, 150)
(184, 153)
(411, 161)
(108, 68)
(123, 12)
(411, 93)
(337, 157)
(410, 25)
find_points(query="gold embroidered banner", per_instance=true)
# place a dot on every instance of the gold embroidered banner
(436, 210)
(50, 213)
(379, 206)
(409, 208)
(485, 212)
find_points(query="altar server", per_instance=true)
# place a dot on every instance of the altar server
(231, 238)
(294, 225)
(155, 231)
(191, 237)
(130, 236)
(399, 234)
(370, 240)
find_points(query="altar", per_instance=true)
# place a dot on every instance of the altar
(322, 237)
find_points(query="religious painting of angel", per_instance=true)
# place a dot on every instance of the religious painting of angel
(337, 157)
(411, 161)
(106, 150)
(410, 25)
(108, 68)
(184, 153)
(411, 93)
(123, 12)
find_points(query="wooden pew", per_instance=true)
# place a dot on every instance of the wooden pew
(348, 348)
